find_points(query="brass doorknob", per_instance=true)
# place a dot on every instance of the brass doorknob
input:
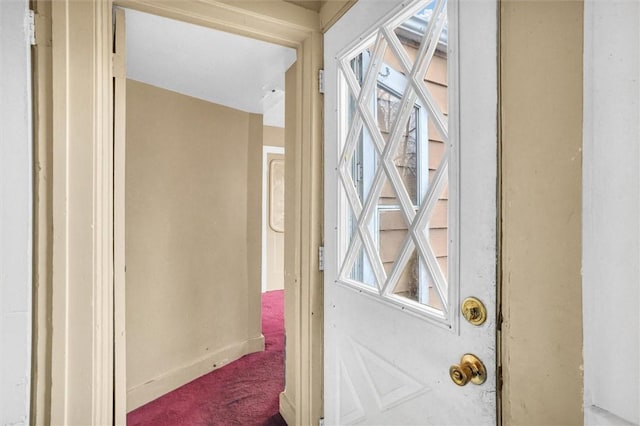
(470, 369)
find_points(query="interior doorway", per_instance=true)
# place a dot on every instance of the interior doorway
(193, 146)
(85, 362)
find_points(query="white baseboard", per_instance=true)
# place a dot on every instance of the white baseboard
(287, 409)
(147, 392)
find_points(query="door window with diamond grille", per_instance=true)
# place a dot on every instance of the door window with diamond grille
(397, 164)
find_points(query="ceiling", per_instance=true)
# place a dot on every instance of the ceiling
(215, 66)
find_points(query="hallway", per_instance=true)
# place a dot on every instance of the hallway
(244, 392)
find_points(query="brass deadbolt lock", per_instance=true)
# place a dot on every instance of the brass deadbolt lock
(473, 310)
(470, 369)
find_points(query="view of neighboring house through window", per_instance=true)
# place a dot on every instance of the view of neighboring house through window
(398, 168)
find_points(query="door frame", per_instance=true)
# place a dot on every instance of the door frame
(79, 384)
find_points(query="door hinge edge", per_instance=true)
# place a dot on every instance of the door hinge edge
(321, 81)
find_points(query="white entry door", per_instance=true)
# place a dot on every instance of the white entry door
(410, 231)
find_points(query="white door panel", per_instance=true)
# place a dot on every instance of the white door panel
(388, 348)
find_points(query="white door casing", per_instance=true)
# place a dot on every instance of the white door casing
(387, 350)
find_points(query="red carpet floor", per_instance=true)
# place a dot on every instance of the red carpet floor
(244, 392)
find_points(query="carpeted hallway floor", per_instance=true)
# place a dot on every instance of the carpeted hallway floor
(244, 392)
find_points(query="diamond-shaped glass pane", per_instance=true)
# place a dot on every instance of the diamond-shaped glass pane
(362, 271)
(425, 28)
(408, 283)
(436, 152)
(435, 37)
(437, 68)
(364, 164)
(387, 109)
(438, 94)
(360, 63)
(435, 80)
(352, 109)
(435, 230)
(429, 294)
(405, 155)
(392, 233)
(438, 241)
(411, 30)
(352, 227)
(416, 284)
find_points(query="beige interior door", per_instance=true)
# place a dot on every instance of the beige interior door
(410, 213)
(274, 223)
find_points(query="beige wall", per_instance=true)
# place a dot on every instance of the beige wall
(273, 136)
(193, 226)
(541, 85)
